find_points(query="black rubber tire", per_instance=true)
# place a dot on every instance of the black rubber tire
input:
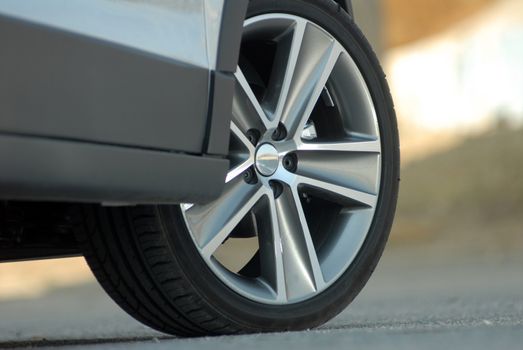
(146, 260)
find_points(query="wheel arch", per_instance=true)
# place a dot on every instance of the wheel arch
(347, 6)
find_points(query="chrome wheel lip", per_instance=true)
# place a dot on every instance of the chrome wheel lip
(259, 289)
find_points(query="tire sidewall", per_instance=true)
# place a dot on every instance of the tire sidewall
(250, 315)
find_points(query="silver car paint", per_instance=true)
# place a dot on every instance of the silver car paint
(185, 30)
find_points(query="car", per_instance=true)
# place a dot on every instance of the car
(225, 166)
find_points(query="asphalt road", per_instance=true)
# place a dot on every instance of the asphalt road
(412, 302)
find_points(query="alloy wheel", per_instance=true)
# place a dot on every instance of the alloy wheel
(305, 154)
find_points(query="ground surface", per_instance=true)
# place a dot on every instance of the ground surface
(415, 300)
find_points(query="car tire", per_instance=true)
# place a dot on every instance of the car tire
(146, 258)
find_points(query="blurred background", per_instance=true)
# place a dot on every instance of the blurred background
(455, 68)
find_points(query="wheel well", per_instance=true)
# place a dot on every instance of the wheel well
(36, 230)
(346, 5)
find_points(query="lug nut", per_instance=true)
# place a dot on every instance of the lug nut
(277, 188)
(253, 135)
(290, 162)
(249, 176)
(280, 133)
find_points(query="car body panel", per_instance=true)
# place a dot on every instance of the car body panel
(120, 77)
(50, 169)
(175, 30)
(59, 85)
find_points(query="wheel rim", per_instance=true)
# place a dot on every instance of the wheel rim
(305, 172)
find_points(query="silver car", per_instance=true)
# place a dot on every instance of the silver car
(225, 166)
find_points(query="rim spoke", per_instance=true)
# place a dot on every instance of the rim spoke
(358, 170)
(247, 111)
(345, 146)
(364, 198)
(311, 59)
(301, 268)
(270, 245)
(240, 136)
(247, 160)
(239, 170)
(212, 223)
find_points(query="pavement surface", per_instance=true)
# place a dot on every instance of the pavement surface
(411, 302)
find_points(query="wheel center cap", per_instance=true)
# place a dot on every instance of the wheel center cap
(267, 159)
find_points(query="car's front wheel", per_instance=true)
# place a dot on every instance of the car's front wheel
(308, 201)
